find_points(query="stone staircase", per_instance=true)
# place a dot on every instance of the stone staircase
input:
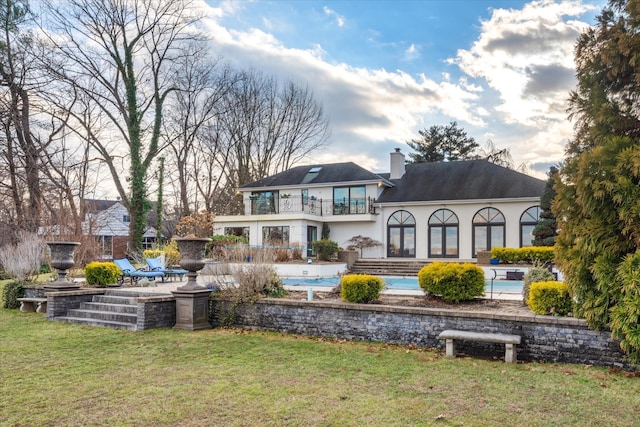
(115, 309)
(388, 267)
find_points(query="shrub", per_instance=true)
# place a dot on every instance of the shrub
(550, 298)
(101, 274)
(326, 249)
(453, 281)
(528, 255)
(360, 288)
(535, 274)
(10, 294)
(170, 252)
(22, 261)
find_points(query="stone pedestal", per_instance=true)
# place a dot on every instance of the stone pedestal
(192, 309)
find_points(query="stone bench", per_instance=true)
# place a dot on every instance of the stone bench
(30, 305)
(510, 341)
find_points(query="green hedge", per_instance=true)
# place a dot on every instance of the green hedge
(360, 288)
(101, 274)
(453, 281)
(550, 298)
(527, 255)
(10, 294)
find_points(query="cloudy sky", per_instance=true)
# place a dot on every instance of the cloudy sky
(383, 70)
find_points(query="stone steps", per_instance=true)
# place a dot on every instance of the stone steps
(388, 267)
(115, 310)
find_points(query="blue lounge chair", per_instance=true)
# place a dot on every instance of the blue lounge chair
(132, 273)
(155, 265)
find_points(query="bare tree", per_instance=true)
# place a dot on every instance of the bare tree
(20, 150)
(268, 127)
(123, 57)
(189, 114)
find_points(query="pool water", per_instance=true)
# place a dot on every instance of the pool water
(407, 283)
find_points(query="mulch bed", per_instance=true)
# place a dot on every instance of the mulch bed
(429, 301)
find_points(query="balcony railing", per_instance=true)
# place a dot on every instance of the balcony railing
(311, 206)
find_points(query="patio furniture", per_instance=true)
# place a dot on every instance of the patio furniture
(134, 274)
(156, 265)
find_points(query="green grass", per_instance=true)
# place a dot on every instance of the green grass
(66, 375)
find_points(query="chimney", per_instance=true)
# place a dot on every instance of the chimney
(397, 165)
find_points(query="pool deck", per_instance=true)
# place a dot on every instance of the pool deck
(169, 286)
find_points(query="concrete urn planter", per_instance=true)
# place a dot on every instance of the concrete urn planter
(62, 260)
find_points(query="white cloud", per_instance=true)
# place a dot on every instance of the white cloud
(516, 79)
(527, 57)
(339, 18)
(411, 52)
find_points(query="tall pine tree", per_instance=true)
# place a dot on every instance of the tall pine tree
(598, 200)
(545, 232)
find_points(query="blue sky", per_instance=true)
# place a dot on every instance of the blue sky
(386, 69)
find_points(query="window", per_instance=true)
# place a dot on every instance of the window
(528, 222)
(105, 246)
(264, 202)
(148, 242)
(488, 230)
(349, 200)
(305, 197)
(401, 235)
(126, 218)
(275, 236)
(443, 234)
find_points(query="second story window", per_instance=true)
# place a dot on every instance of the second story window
(349, 200)
(264, 202)
(126, 218)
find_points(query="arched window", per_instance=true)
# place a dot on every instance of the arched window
(488, 230)
(401, 235)
(528, 222)
(443, 234)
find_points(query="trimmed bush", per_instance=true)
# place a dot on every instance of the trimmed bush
(526, 255)
(360, 288)
(170, 252)
(326, 249)
(535, 274)
(101, 274)
(453, 281)
(550, 298)
(10, 294)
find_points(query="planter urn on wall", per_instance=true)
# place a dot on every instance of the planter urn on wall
(192, 300)
(62, 260)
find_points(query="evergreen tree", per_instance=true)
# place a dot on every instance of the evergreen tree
(598, 200)
(546, 230)
(440, 143)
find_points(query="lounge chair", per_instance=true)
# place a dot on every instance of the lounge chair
(156, 265)
(132, 273)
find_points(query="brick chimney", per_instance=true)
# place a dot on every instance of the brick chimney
(397, 164)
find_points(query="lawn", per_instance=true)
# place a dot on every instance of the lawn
(66, 375)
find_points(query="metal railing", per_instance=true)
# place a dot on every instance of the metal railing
(312, 206)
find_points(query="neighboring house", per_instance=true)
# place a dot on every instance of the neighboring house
(422, 210)
(108, 221)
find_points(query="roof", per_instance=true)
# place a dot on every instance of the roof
(318, 174)
(460, 180)
(97, 205)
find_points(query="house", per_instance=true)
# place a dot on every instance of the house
(108, 221)
(425, 210)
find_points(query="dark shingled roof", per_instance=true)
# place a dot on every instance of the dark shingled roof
(328, 173)
(460, 180)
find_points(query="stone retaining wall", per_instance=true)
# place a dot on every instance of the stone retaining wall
(544, 338)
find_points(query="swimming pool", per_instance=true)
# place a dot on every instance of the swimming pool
(406, 283)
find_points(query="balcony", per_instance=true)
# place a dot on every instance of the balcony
(310, 205)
